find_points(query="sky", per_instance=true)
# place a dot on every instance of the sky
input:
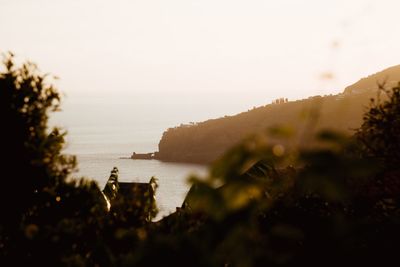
(200, 58)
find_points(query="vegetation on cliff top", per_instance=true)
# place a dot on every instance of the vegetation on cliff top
(205, 142)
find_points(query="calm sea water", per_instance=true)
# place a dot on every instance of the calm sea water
(172, 177)
(103, 129)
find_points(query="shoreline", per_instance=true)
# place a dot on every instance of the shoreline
(156, 156)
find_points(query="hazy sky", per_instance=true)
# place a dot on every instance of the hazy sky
(186, 49)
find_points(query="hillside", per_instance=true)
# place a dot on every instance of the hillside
(204, 142)
(389, 77)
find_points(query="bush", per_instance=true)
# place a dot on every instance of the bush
(380, 131)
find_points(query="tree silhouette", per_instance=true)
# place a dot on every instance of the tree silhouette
(380, 131)
(45, 218)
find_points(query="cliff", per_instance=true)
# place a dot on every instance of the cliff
(204, 142)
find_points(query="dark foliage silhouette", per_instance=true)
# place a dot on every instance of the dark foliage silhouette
(380, 132)
(266, 202)
(45, 217)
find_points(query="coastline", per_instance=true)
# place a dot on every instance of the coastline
(156, 156)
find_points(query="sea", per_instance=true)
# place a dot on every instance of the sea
(100, 147)
(172, 178)
(103, 130)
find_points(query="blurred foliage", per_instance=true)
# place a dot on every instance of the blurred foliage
(269, 201)
(329, 208)
(380, 132)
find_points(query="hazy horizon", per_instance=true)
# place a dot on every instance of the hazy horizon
(172, 62)
(271, 49)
